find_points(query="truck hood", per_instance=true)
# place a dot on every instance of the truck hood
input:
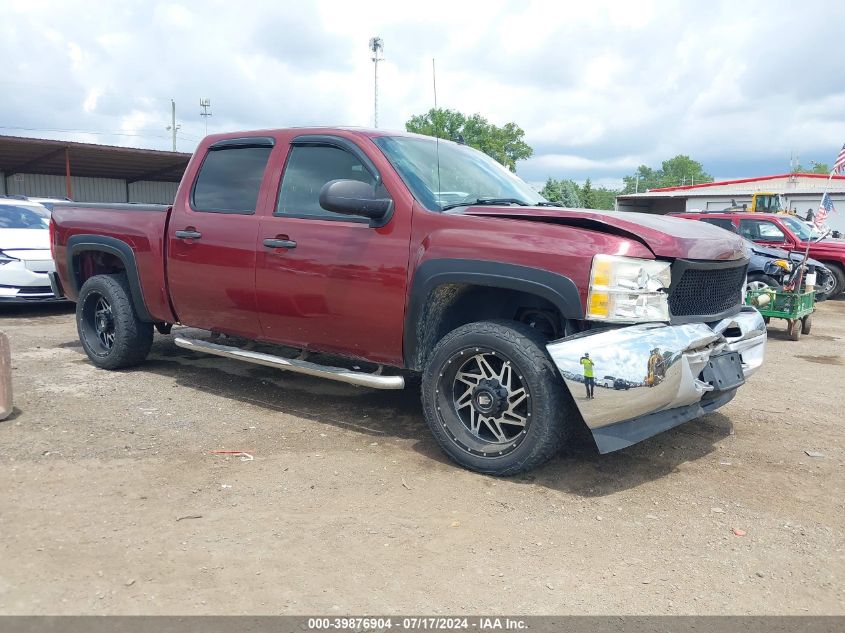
(665, 236)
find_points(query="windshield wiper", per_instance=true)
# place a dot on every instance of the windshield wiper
(546, 203)
(482, 201)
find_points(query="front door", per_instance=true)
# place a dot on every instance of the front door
(212, 241)
(764, 232)
(326, 281)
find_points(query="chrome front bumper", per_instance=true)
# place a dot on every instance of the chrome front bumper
(651, 377)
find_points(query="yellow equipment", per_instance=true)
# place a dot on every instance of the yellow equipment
(762, 203)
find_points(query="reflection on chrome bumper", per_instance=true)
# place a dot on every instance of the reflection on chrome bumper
(651, 377)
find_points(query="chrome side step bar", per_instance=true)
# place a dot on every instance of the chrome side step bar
(363, 379)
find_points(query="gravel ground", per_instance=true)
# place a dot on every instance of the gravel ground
(111, 501)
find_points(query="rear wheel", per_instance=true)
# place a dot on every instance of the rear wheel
(793, 328)
(493, 398)
(110, 331)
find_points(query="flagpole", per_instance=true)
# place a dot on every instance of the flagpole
(807, 250)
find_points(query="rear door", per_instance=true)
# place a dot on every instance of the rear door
(212, 239)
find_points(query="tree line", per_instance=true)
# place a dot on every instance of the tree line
(507, 145)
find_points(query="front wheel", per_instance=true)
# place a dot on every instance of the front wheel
(111, 333)
(807, 324)
(761, 282)
(494, 400)
(839, 276)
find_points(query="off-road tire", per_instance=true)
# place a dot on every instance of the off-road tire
(130, 338)
(551, 417)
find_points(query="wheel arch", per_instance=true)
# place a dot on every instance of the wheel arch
(119, 256)
(447, 293)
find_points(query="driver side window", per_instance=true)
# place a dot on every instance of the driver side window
(761, 231)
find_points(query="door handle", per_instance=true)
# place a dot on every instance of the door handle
(188, 234)
(279, 243)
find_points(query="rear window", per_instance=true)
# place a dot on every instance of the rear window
(229, 180)
(13, 217)
(722, 223)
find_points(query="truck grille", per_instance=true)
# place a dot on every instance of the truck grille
(706, 289)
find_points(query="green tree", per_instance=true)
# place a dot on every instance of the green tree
(605, 198)
(505, 144)
(815, 168)
(588, 198)
(566, 192)
(680, 170)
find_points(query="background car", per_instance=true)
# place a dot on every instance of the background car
(25, 259)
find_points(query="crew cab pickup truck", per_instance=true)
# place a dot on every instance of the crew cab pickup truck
(421, 256)
(779, 230)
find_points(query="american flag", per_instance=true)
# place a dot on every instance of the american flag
(839, 163)
(825, 208)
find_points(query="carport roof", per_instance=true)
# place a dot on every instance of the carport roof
(44, 156)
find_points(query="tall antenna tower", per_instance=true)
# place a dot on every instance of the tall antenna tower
(377, 49)
(205, 104)
(173, 127)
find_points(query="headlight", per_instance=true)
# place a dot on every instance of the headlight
(782, 263)
(628, 290)
(5, 259)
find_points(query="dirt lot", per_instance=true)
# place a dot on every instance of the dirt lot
(111, 501)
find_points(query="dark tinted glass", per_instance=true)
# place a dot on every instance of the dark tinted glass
(229, 180)
(722, 223)
(308, 169)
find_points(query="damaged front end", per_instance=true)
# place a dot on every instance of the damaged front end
(630, 383)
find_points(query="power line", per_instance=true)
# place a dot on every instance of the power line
(73, 131)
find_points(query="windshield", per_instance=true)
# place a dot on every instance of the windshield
(465, 174)
(13, 217)
(801, 229)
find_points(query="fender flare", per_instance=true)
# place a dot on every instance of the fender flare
(77, 244)
(558, 289)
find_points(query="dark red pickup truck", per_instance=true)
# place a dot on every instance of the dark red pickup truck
(422, 256)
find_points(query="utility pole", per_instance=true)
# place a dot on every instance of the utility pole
(205, 104)
(376, 47)
(173, 127)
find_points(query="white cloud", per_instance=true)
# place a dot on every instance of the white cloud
(598, 87)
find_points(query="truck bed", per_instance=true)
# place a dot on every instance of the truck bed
(141, 227)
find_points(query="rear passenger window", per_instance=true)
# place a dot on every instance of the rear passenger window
(722, 223)
(309, 167)
(229, 180)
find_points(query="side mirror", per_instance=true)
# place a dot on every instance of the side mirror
(353, 197)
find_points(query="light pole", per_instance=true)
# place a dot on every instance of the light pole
(376, 48)
(205, 104)
(173, 127)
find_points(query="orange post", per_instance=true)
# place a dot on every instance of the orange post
(5, 378)
(67, 175)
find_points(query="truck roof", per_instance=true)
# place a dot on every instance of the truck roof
(360, 131)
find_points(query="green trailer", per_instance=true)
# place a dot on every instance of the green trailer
(796, 307)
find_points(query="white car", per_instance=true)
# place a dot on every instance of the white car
(25, 259)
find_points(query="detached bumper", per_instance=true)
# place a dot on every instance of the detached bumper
(652, 377)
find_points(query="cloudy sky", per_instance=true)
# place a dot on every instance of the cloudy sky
(599, 87)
